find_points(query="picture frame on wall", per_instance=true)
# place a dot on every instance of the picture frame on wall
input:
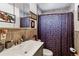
(7, 17)
(32, 24)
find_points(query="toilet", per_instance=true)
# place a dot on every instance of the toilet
(47, 52)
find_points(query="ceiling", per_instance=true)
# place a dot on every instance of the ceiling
(51, 6)
(22, 6)
(42, 6)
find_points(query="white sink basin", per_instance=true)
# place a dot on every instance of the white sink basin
(27, 48)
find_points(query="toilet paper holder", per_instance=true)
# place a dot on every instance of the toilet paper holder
(73, 50)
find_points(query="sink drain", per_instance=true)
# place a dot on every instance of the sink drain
(25, 52)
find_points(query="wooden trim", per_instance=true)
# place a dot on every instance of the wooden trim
(54, 13)
(33, 15)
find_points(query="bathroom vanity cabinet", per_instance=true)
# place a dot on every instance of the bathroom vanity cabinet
(1, 47)
(39, 51)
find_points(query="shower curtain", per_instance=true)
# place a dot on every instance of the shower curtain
(57, 32)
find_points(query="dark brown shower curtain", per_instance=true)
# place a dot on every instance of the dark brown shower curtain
(56, 31)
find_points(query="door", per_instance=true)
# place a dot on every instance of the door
(56, 31)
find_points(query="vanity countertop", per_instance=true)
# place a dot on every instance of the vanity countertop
(27, 48)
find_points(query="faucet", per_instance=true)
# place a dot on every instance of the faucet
(21, 40)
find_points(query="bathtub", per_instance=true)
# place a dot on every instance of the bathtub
(27, 48)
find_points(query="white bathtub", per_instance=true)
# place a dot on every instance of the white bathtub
(27, 48)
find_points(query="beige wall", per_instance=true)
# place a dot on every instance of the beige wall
(76, 41)
(76, 28)
(61, 10)
(76, 22)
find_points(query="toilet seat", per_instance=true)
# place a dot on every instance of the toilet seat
(47, 52)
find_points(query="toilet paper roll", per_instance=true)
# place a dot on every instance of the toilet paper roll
(39, 40)
(72, 50)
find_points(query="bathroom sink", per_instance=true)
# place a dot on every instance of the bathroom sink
(27, 48)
